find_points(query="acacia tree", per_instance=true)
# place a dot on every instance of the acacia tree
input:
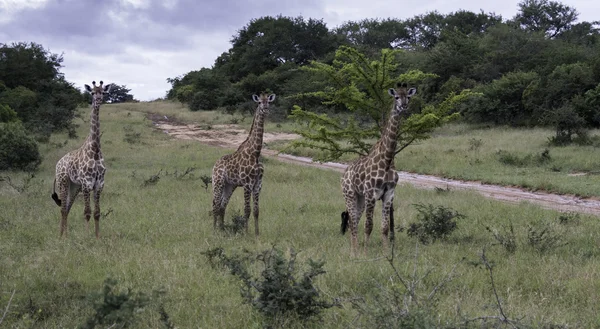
(359, 86)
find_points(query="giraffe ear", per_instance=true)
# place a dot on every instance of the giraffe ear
(88, 88)
(392, 92)
(412, 92)
(255, 98)
(271, 98)
(107, 88)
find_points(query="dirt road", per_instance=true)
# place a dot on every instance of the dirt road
(230, 136)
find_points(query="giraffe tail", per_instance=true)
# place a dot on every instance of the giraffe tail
(345, 220)
(54, 195)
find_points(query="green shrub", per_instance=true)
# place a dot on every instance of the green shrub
(18, 150)
(119, 309)
(435, 222)
(278, 293)
(7, 114)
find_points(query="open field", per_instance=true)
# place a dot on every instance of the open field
(502, 156)
(153, 236)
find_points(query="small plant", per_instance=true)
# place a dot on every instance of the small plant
(568, 218)
(181, 175)
(131, 136)
(435, 222)
(475, 144)
(442, 190)
(237, 226)
(279, 292)
(408, 303)
(115, 309)
(543, 238)
(23, 186)
(206, 180)
(153, 179)
(506, 239)
(510, 159)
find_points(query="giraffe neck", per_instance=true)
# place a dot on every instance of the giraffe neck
(93, 140)
(389, 138)
(254, 142)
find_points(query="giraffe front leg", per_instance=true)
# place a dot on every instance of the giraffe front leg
(387, 220)
(97, 211)
(65, 206)
(247, 196)
(255, 197)
(87, 210)
(370, 205)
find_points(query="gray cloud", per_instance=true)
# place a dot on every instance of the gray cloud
(141, 46)
(101, 25)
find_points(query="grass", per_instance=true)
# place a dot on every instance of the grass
(506, 156)
(501, 155)
(152, 237)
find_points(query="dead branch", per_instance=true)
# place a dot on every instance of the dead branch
(7, 306)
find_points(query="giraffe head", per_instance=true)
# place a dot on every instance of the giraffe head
(263, 102)
(402, 96)
(98, 91)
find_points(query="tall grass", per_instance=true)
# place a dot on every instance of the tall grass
(153, 236)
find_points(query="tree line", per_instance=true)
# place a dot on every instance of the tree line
(538, 68)
(35, 101)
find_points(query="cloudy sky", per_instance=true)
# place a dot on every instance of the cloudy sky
(141, 43)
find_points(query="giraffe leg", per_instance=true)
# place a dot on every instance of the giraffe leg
(97, 193)
(247, 196)
(387, 222)
(354, 208)
(227, 192)
(370, 206)
(255, 197)
(87, 211)
(64, 192)
(217, 197)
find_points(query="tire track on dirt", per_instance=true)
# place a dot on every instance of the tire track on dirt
(223, 138)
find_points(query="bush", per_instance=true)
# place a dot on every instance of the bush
(435, 222)
(568, 124)
(7, 114)
(18, 150)
(278, 292)
(119, 309)
(502, 101)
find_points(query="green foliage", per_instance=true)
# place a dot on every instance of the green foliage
(511, 159)
(567, 124)
(544, 238)
(505, 238)
(502, 100)
(360, 86)
(119, 309)
(435, 222)
(549, 17)
(185, 94)
(7, 114)
(35, 89)
(18, 150)
(118, 94)
(279, 291)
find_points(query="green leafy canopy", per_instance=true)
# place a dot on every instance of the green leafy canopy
(358, 86)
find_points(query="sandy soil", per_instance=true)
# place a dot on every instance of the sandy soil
(230, 136)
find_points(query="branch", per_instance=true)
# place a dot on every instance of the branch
(7, 306)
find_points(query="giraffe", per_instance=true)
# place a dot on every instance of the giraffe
(373, 177)
(83, 169)
(242, 168)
